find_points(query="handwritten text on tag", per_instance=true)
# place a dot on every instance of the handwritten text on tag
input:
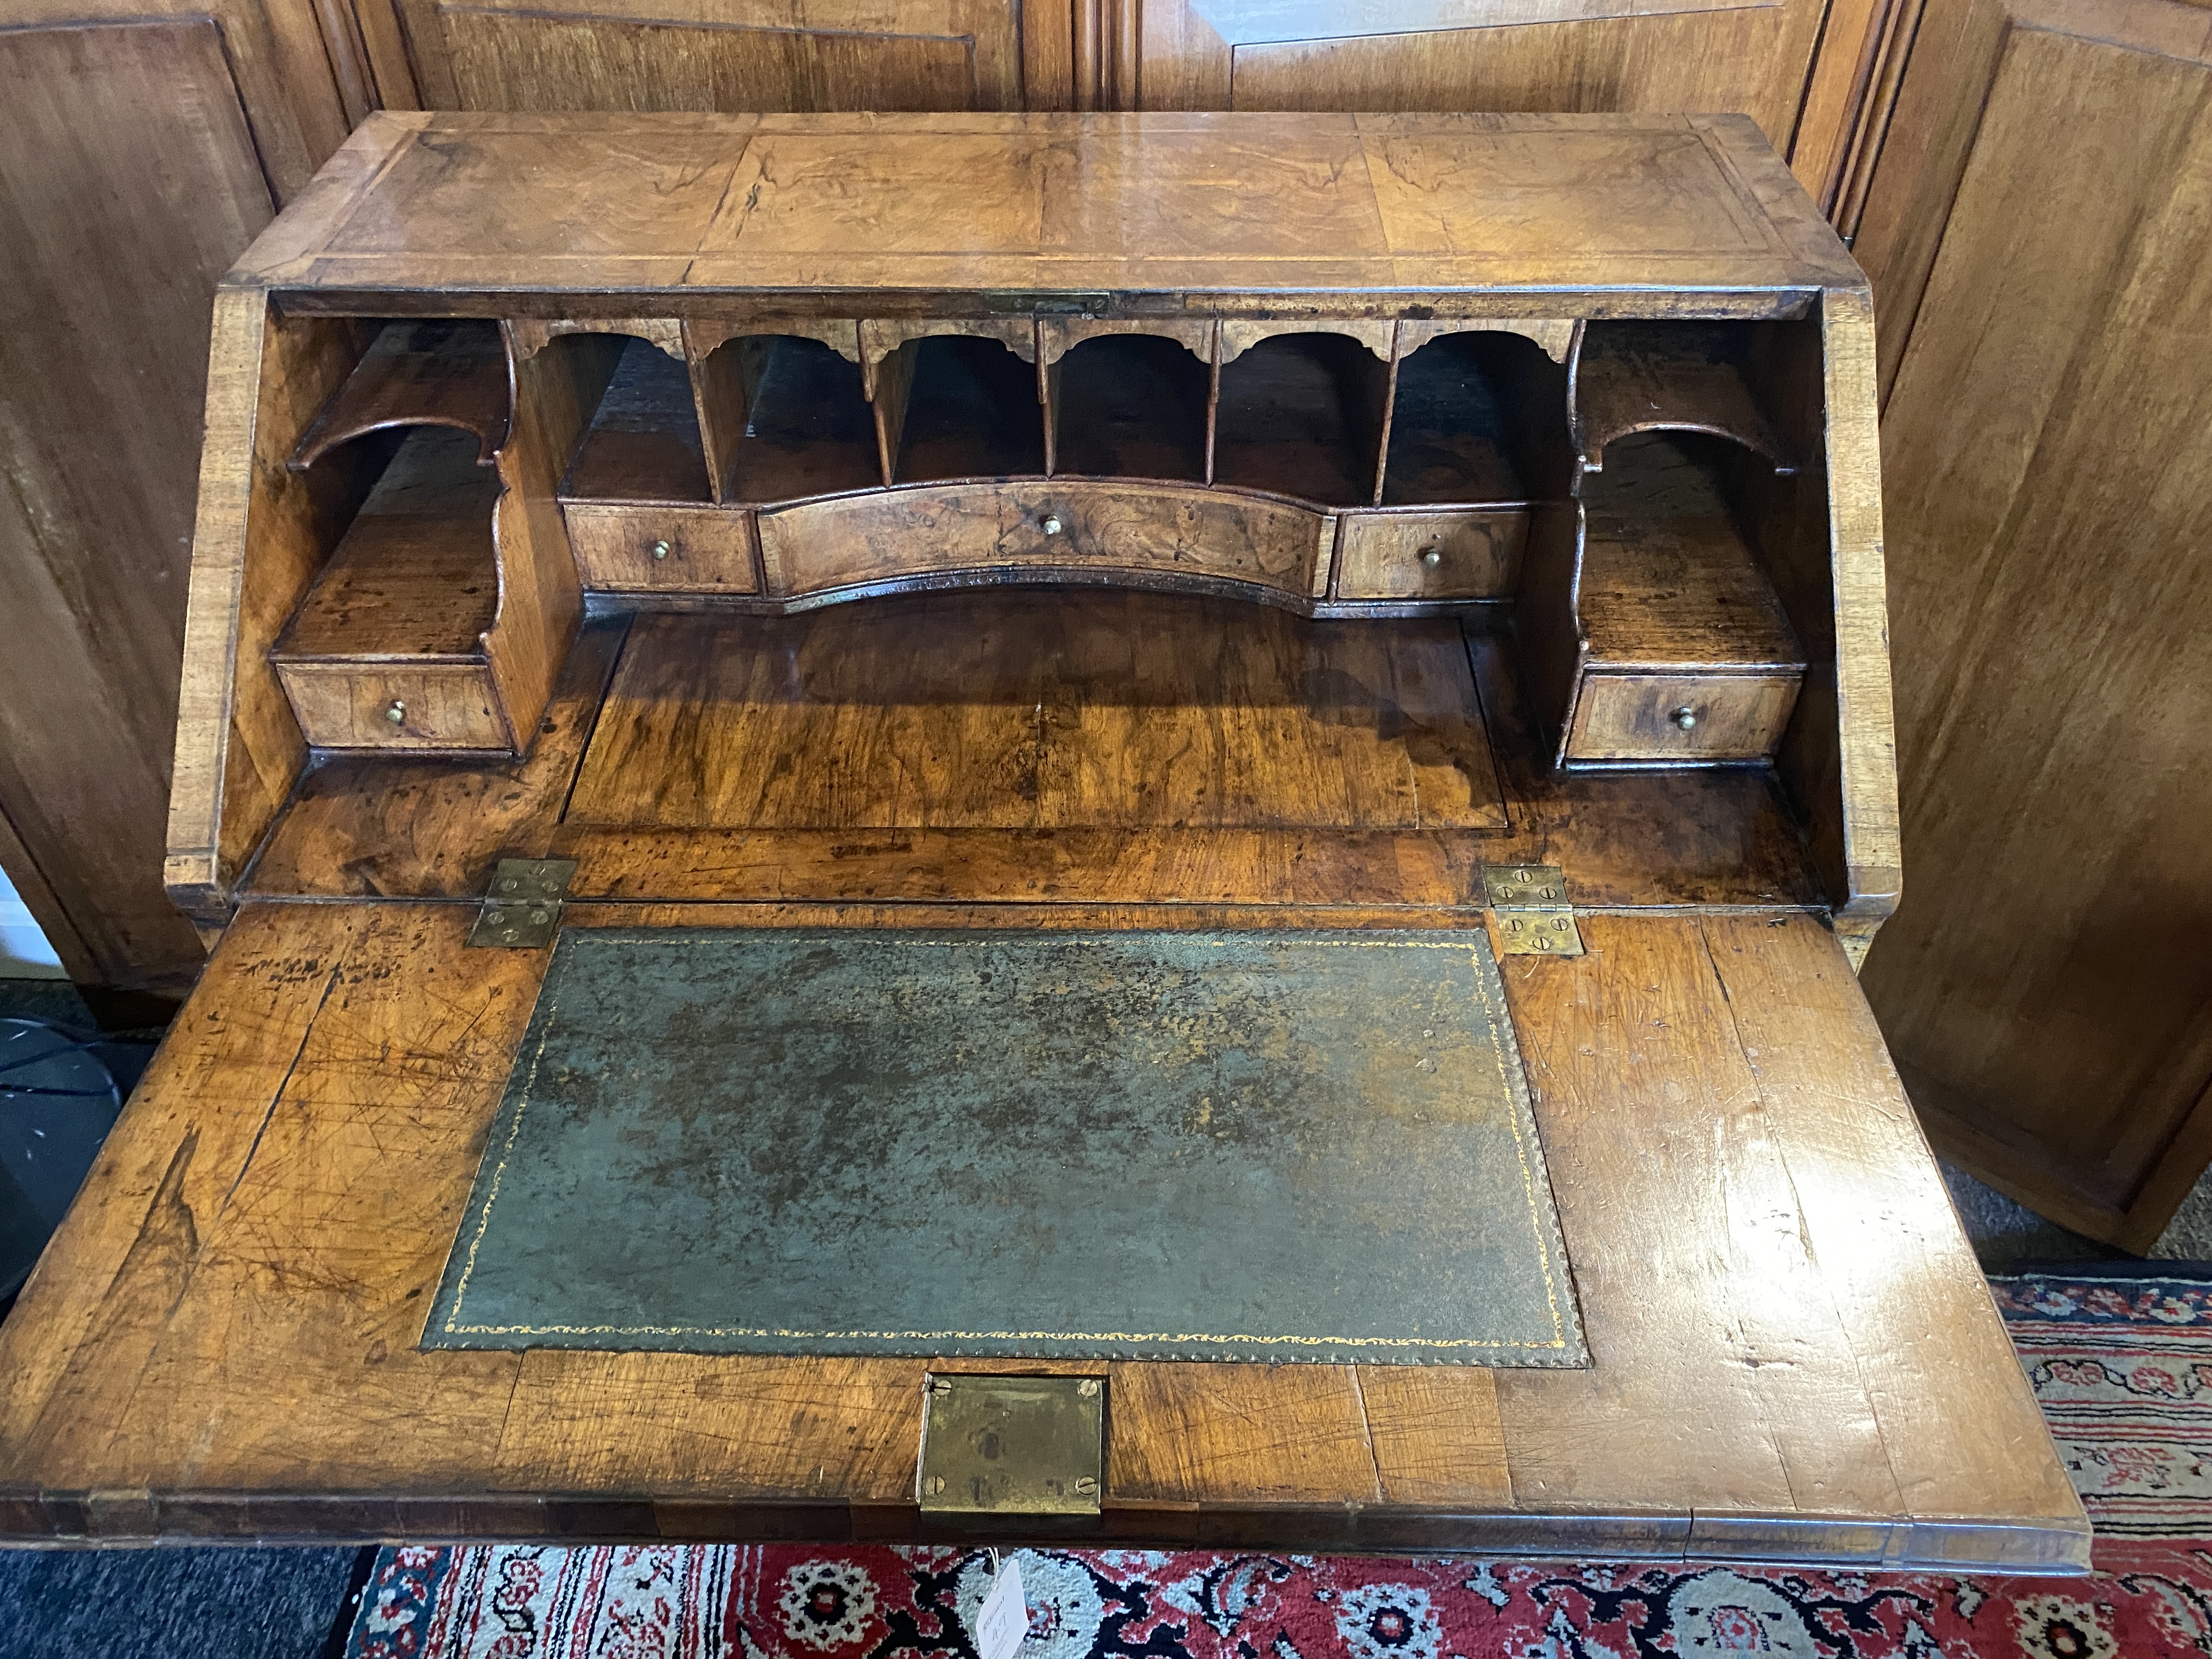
(1003, 1619)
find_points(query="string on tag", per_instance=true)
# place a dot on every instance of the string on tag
(1003, 1621)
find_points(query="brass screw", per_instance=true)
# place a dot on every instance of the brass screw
(934, 1485)
(1085, 1484)
(1088, 1386)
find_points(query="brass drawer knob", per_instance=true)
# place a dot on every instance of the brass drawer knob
(1686, 717)
(1052, 525)
(1432, 557)
(397, 713)
(660, 549)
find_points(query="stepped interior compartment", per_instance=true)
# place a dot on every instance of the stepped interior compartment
(1302, 414)
(434, 372)
(789, 420)
(1690, 655)
(642, 443)
(958, 406)
(1683, 376)
(1668, 576)
(1479, 418)
(414, 576)
(386, 648)
(1130, 406)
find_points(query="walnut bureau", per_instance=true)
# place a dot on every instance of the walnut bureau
(1208, 522)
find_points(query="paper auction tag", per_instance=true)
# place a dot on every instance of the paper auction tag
(1003, 1619)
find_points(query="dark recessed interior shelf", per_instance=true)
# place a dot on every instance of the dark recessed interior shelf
(1302, 414)
(969, 408)
(1130, 406)
(643, 442)
(804, 427)
(413, 575)
(1480, 416)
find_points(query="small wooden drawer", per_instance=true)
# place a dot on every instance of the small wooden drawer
(1431, 556)
(397, 706)
(670, 549)
(1144, 529)
(1642, 717)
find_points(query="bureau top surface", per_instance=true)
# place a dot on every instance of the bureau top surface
(1157, 211)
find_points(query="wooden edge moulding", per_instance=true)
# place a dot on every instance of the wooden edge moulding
(1676, 515)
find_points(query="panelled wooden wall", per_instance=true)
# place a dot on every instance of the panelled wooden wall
(1797, 67)
(2039, 229)
(786, 55)
(142, 145)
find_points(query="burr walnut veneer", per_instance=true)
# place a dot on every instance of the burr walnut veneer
(1196, 521)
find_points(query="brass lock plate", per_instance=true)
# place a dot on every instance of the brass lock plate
(1011, 1445)
(1533, 916)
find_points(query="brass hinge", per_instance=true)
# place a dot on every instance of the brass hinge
(1533, 916)
(524, 906)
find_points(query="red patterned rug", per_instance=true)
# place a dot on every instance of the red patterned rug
(2124, 1372)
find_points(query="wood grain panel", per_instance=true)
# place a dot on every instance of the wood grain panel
(662, 549)
(163, 1174)
(1223, 1434)
(778, 55)
(386, 706)
(273, 1262)
(1637, 717)
(260, 537)
(1387, 556)
(1132, 529)
(1871, 1195)
(1800, 70)
(1263, 213)
(107, 261)
(2047, 453)
(502, 59)
(1018, 710)
(1639, 1031)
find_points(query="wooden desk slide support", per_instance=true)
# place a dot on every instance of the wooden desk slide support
(1371, 501)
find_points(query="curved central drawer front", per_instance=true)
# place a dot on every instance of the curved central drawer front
(1155, 529)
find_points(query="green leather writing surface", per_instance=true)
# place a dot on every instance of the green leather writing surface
(1201, 1146)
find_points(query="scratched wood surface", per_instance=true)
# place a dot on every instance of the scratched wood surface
(1794, 1358)
(595, 207)
(1022, 709)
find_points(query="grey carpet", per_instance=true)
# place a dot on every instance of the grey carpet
(164, 1603)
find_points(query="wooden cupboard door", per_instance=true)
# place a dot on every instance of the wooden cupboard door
(1795, 66)
(139, 153)
(734, 55)
(2039, 230)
